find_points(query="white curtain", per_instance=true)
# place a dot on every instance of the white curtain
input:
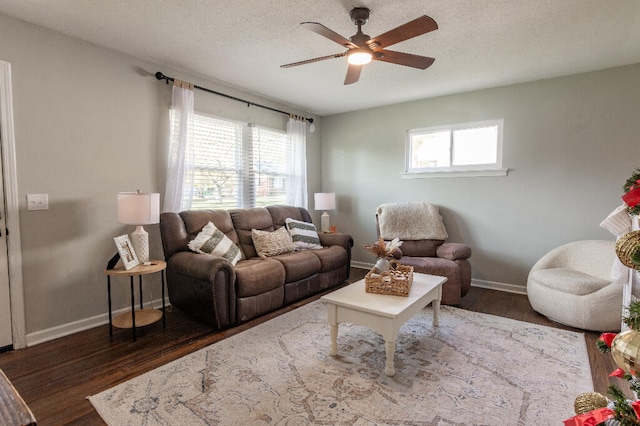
(180, 170)
(297, 138)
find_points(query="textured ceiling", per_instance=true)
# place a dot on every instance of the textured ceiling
(479, 43)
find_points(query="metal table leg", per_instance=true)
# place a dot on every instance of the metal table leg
(140, 288)
(133, 311)
(109, 297)
(164, 313)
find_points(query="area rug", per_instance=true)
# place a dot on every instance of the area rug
(475, 369)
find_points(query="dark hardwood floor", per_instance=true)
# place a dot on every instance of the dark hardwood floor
(54, 378)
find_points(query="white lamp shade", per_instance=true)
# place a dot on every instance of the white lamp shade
(325, 200)
(138, 208)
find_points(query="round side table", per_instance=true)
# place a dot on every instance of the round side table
(137, 317)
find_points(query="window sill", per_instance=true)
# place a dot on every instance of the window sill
(454, 173)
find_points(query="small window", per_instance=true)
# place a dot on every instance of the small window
(468, 149)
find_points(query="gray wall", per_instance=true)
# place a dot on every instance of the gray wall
(570, 144)
(90, 122)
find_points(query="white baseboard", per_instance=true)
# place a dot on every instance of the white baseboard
(81, 325)
(493, 285)
(361, 265)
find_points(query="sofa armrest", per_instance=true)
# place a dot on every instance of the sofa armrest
(203, 286)
(336, 239)
(201, 266)
(453, 251)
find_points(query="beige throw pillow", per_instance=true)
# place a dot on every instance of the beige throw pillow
(272, 243)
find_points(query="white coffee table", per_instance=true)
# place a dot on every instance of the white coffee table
(381, 313)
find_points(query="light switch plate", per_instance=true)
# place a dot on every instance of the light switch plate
(37, 202)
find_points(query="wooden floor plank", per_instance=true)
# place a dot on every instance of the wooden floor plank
(54, 378)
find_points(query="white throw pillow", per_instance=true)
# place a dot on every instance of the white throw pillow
(303, 234)
(272, 243)
(212, 241)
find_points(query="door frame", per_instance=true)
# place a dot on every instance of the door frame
(12, 208)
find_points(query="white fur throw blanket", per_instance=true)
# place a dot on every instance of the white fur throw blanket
(411, 221)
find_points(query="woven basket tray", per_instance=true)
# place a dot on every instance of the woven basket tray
(396, 281)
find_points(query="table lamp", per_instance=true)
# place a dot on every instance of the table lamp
(325, 201)
(139, 208)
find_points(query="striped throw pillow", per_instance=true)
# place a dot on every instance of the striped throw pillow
(304, 234)
(212, 241)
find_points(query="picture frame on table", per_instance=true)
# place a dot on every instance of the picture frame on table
(126, 252)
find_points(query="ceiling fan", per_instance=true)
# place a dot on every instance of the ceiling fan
(361, 48)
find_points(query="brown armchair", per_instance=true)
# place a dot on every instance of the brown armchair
(423, 235)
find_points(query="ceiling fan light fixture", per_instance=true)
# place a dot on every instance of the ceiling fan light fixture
(359, 56)
(362, 49)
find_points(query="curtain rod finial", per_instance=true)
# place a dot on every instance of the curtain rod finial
(159, 75)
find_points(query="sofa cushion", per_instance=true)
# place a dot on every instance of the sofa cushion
(213, 242)
(256, 276)
(568, 281)
(331, 258)
(244, 220)
(298, 265)
(279, 214)
(303, 234)
(269, 244)
(431, 265)
(195, 220)
(420, 247)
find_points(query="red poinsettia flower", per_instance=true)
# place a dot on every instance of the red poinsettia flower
(591, 418)
(632, 198)
(607, 338)
(619, 372)
(636, 408)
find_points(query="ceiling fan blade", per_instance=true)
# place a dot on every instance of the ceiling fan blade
(406, 59)
(418, 26)
(309, 61)
(353, 74)
(330, 34)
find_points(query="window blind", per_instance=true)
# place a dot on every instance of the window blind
(236, 165)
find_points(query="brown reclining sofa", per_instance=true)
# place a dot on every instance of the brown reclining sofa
(217, 293)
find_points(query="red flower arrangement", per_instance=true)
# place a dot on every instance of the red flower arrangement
(607, 338)
(620, 411)
(631, 195)
(623, 412)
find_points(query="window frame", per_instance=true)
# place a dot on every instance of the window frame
(246, 175)
(467, 170)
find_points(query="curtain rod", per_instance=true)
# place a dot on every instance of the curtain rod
(161, 76)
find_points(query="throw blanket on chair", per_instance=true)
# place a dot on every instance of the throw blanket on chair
(410, 221)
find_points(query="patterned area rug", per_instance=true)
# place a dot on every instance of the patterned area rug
(475, 369)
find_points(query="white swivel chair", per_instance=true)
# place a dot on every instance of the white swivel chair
(572, 285)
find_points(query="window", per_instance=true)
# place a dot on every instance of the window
(468, 149)
(236, 165)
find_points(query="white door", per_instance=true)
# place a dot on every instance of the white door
(5, 299)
